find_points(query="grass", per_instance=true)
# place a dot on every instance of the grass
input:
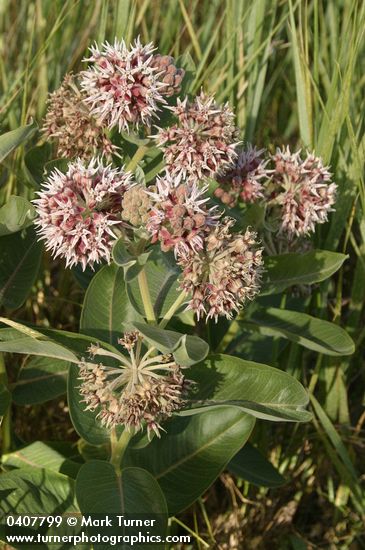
(293, 72)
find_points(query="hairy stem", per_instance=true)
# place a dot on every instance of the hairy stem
(146, 297)
(137, 157)
(119, 446)
(175, 306)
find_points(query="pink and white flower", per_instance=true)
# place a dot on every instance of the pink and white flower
(78, 211)
(244, 180)
(224, 274)
(122, 87)
(300, 192)
(202, 142)
(179, 217)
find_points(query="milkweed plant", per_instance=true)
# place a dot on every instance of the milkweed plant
(182, 231)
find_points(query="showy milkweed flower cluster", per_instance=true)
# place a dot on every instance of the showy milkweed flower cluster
(300, 189)
(82, 212)
(296, 190)
(244, 179)
(220, 269)
(141, 390)
(224, 274)
(179, 217)
(70, 123)
(201, 143)
(79, 212)
(122, 86)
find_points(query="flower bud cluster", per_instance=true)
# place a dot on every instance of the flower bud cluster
(168, 73)
(136, 206)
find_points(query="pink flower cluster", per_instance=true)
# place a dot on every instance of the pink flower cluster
(78, 211)
(81, 212)
(244, 179)
(296, 192)
(300, 190)
(179, 217)
(224, 274)
(122, 87)
(201, 143)
(221, 270)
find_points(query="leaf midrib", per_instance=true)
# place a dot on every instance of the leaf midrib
(191, 455)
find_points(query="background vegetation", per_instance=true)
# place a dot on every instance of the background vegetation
(294, 72)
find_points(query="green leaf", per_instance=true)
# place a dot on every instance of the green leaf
(286, 270)
(251, 465)
(192, 453)
(186, 349)
(35, 161)
(162, 276)
(40, 380)
(5, 399)
(335, 438)
(58, 344)
(302, 81)
(26, 340)
(20, 255)
(36, 491)
(120, 254)
(132, 137)
(12, 140)
(310, 332)
(16, 214)
(187, 63)
(31, 346)
(40, 455)
(106, 306)
(134, 493)
(260, 390)
(85, 422)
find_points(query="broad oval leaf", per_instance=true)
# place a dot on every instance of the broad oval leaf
(252, 466)
(39, 492)
(310, 332)
(40, 379)
(15, 215)
(106, 306)
(133, 493)
(260, 390)
(162, 277)
(58, 344)
(11, 140)
(85, 422)
(20, 255)
(286, 270)
(192, 453)
(40, 455)
(31, 346)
